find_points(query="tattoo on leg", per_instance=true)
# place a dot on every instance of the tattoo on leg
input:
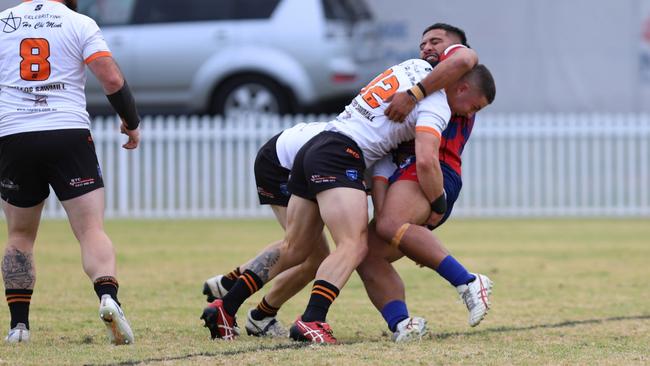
(263, 263)
(18, 269)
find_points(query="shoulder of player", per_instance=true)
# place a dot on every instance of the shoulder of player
(414, 62)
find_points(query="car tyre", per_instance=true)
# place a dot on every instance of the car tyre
(250, 93)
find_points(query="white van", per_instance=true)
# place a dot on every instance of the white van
(223, 56)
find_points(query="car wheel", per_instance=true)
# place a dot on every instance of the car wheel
(250, 93)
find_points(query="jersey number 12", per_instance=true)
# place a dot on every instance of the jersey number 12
(383, 86)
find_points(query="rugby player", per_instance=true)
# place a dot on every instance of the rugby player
(262, 320)
(45, 141)
(327, 188)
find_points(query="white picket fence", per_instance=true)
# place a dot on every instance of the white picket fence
(515, 165)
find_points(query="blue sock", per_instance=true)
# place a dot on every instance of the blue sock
(394, 312)
(454, 272)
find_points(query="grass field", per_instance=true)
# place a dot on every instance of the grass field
(566, 292)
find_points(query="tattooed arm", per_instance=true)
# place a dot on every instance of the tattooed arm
(18, 269)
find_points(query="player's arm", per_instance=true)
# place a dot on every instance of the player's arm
(378, 192)
(119, 95)
(456, 61)
(381, 172)
(427, 143)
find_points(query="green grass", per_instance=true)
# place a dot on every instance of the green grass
(566, 292)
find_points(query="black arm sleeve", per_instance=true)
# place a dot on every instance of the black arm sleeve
(124, 104)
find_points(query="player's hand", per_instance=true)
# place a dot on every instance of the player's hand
(401, 105)
(433, 220)
(134, 137)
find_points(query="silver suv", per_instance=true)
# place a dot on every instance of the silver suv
(222, 56)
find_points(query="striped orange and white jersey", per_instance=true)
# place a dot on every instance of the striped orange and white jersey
(44, 47)
(364, 121)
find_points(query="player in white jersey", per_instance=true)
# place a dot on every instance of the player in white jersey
(272, 167)
(45, 141)
(326, 186)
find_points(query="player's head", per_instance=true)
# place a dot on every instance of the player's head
(436, 38)
(72, 4)
(472, 92)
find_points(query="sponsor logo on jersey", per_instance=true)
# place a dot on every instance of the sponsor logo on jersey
(7, 183)
(353, 153)
(352, 174)
(321, 179)
(264, 193)
(362, 111)
(11, 23)
(81, 182)
(284, 190)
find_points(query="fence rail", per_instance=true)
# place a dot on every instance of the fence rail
(515, 165)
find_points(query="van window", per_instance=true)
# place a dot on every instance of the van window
(165, 11)
(107, 12)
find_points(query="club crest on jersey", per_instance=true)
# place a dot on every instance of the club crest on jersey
(352, 174)
(11, 23)
(284, 190)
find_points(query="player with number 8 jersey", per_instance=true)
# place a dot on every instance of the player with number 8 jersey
(44, 49)
(45, 141)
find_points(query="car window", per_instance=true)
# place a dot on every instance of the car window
(358, 8)
(107, 12)
(163, 11)
(347, 10)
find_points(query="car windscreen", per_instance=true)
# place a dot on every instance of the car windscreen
(168, 11)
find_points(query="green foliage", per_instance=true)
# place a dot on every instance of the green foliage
(566, 292)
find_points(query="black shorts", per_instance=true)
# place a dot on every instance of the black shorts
(271, 178)
(329, 160)
(64, 159)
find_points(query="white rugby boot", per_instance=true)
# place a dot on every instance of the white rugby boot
(476, 296)
(18, 334)
(213, 289)
(267, 327)
(410, 329)
(117, 327)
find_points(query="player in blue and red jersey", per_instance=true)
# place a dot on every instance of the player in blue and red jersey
(435, 39)
(401, 209)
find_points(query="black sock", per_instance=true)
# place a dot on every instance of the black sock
(264, 310)
(228, 281)
(323, 295)
(247, 284)
(106, 285)
(18, 301)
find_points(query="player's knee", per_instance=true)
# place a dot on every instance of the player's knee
(360, 252)
(387, 227)
(294, 254)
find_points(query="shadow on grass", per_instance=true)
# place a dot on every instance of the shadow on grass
(569, 323)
